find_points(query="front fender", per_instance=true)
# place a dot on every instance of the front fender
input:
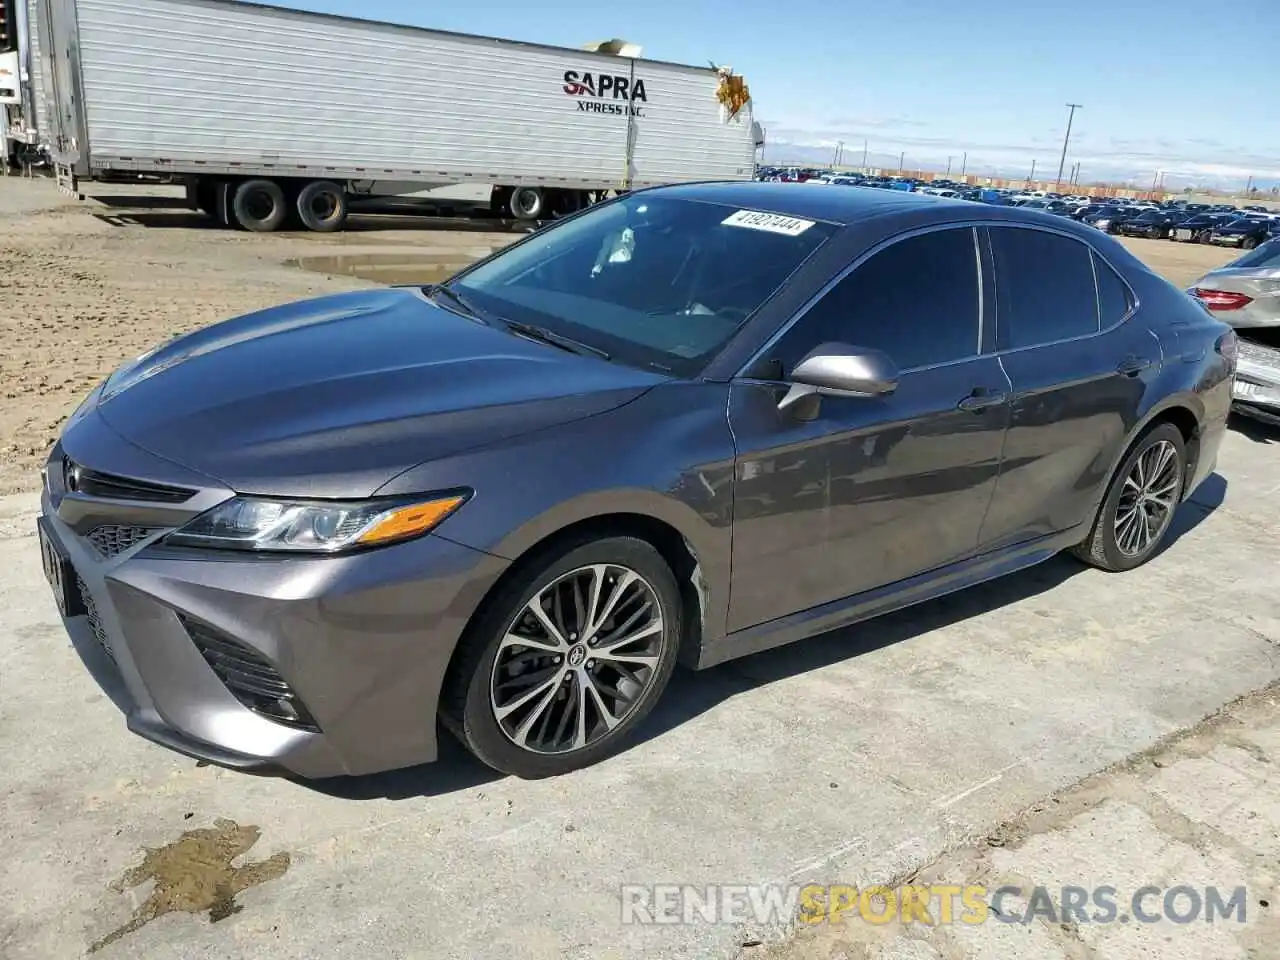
(667, 456)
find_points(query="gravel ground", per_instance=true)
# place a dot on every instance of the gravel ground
(87, 285)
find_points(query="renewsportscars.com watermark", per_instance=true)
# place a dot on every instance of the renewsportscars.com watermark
(772, 904)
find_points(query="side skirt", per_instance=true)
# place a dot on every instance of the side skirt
(886, 599)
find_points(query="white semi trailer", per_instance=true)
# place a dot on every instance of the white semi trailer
(273, 115)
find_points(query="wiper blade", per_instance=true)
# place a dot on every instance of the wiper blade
(459, 301)
(534, 332)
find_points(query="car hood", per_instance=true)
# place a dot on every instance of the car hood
(333, 397)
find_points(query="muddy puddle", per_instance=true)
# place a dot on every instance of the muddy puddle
(195, 874)
(386, 267)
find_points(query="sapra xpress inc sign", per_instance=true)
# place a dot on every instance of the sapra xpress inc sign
(605, 93)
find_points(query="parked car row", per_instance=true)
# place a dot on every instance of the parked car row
(1223, 224)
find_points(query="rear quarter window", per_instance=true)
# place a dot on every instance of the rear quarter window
(1114, 297)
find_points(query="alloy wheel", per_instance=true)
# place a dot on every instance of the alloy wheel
(1147, 500)
(577, 659)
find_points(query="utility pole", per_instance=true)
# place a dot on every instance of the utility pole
(901, 155)
(948, 166)
(864, 156)
(835, 158)
(1065, 140)
(1032, 176)
(964, 162)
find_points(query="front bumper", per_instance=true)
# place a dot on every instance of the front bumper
(361, 641)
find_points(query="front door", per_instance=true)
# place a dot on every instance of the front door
(869, 491)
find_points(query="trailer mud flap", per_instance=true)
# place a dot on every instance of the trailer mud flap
(222, 203)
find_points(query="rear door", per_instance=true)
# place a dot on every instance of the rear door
(1079, 361)
(871, 490)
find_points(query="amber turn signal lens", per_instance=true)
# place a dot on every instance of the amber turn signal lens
(409, 521)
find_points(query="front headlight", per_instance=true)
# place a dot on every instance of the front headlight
(254, 523)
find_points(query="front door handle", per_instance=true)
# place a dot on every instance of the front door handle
(982, 399)
(1132, 366)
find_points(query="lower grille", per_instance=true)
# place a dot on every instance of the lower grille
(111, 539)
(95, 620)
(249, 676)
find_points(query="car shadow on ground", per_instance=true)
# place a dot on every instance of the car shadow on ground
(1255, 430)
(692, 693)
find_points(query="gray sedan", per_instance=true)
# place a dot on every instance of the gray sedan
(1246, 294)
(684, 425)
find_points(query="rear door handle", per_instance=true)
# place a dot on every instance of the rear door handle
(982, 399)
(1132, 366)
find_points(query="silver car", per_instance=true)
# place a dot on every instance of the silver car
(1246, 294)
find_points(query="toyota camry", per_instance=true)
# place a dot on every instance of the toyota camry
(685, 425)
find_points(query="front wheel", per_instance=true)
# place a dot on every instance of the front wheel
(567, 659)
(1248, 243)
(259, 205)
(1140, 503)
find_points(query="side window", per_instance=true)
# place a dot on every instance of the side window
(1114, 299)
(1044, 287)
(916, 300)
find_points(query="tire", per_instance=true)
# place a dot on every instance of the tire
(565, 203)
(259, 206)
(473, 696)
(1248, 243)
(1205, 236)
(1106, 547)
(322, 206)
(527, 203)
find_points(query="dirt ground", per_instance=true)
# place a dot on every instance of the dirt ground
(85, 286)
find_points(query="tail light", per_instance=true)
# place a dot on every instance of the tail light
(1221, 299)
(1228, 345)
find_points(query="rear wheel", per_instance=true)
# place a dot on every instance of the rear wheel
(259, 205)
(527, 203)
(322, 206)
(566, 659)
(1248, 243)
(1140, 503)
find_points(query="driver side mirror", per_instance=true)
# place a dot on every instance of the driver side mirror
(839, 370)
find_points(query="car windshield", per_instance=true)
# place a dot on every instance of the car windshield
(1267, 255)
(653, 281)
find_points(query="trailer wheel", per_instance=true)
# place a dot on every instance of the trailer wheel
(259, 205)
(527, 203)
(565, 203)
(322, 206)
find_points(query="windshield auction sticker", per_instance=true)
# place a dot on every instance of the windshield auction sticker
(772, 222)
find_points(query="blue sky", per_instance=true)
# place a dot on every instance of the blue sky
(1187, 87)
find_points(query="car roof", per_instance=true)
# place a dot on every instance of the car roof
(847, 206)
(841, 206)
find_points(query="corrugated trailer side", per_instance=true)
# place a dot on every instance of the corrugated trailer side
(35, 63)
(223, 86)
